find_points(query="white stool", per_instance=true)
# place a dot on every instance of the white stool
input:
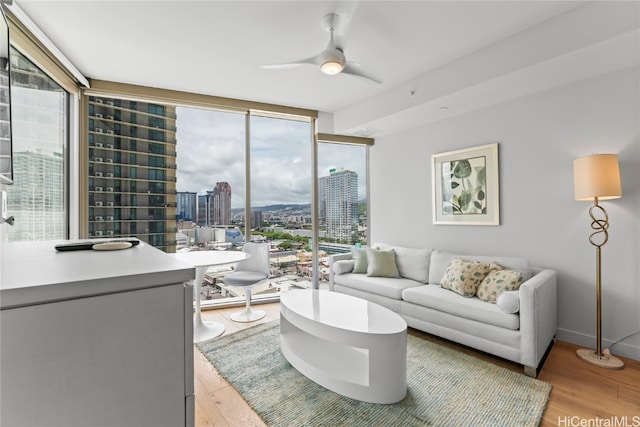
(248, 274)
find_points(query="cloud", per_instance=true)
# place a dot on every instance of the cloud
(211, 149)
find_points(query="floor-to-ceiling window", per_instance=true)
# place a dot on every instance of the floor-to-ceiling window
(40, 109)
(342, 208)
(281, 178)
(211, 184)
(342, 194)
(216, 152)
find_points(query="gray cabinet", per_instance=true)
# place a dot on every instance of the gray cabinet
(119, 357)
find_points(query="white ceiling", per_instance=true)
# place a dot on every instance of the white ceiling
(459, 54)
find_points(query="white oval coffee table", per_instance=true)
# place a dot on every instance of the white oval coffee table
(346, 344)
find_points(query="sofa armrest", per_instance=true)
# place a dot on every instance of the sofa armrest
(538, 315)
(333, 258)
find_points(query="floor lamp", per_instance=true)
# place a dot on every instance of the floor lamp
(597, 177)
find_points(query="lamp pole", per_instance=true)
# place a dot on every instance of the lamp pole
(601, 226)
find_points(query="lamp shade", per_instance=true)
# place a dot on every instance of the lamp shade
(598, 176)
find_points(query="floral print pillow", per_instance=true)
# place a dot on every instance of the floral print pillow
(464, 276)
(497, 281)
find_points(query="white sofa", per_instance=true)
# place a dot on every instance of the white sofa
(519, 327)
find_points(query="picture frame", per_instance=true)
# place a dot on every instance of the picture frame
(466, 187)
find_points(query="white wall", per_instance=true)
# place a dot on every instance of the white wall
(539, 136)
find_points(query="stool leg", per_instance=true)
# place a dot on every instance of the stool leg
(248, 299)
(248, 314)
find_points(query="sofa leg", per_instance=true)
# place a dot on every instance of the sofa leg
(531, 371)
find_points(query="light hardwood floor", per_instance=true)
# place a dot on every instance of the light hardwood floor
(581, 393)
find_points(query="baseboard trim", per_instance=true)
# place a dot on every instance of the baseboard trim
(620, 349)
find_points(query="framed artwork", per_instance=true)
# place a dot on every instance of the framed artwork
(466, 186)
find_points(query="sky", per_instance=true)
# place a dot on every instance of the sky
(210, 149)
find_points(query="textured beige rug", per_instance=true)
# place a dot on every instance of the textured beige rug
(445, 387)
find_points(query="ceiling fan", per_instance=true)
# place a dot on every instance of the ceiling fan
(332, 59)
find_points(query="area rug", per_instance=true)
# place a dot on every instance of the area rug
(445, 387)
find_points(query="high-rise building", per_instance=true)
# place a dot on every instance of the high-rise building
(132, 171)
(37, 201)
(338, 200)
(256, 219)
(187, 205)
(221, 214)
(205, 207)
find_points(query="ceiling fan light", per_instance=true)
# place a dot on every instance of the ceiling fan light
(331, 67)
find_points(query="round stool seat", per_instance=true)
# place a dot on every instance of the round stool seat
(244, 278)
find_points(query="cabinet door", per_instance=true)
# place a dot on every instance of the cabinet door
(110, 360)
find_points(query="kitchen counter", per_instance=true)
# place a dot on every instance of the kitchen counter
(35, 273)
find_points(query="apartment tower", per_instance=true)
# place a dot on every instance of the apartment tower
(221, 204)
(37, 201)
(338, 200)
(205, 203)
(187, 203)
(132, 171)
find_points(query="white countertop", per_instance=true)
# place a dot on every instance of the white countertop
(35, 273)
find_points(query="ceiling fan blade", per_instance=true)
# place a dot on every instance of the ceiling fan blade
(314, 60)
(356, 69)
(346, 11)
(281, 66)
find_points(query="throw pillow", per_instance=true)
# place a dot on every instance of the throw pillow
(520, 265)
(463, 276)
(498, 280)
(359, 260)
(509, 302)
(343, 266)
(381, 263)
(412, 263)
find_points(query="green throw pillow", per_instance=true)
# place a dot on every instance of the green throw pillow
(359, 260)
(381, 263)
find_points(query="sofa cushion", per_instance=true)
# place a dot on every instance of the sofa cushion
(412, 263)
(437, 298)
(381, 263)
(342, 266)
(463, 276)
(497, 281)
(359, 256)
(440, 260)
(509, 302)
(385, 286)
